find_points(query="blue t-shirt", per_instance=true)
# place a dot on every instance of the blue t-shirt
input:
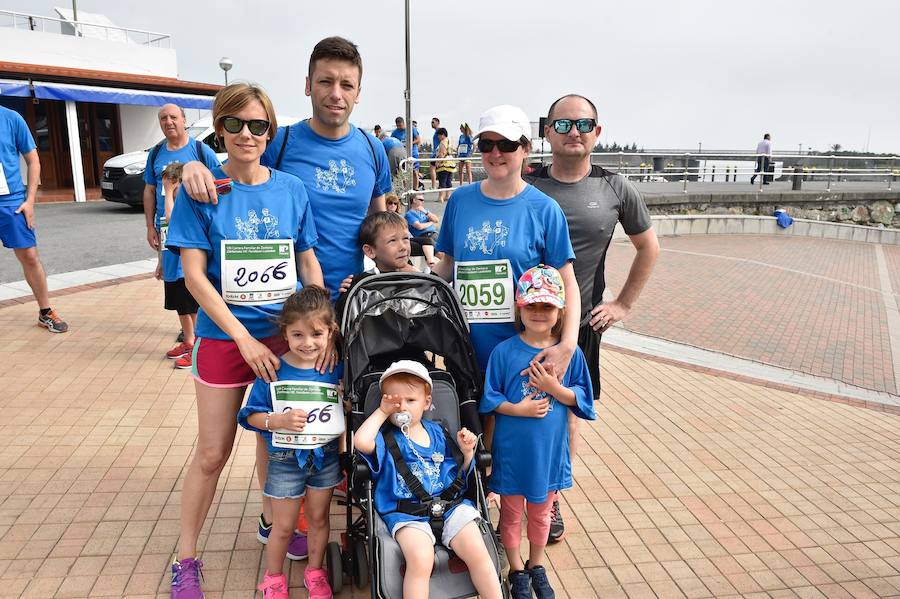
(467, 141)
(171, 264)
(434, 476)
(390, 143)
(276, 209)
(15, 139)
(401, 135)
(531, 455)
(527, 229)
(260, 400)
(419, 216)
(435, 142)
(342, 176)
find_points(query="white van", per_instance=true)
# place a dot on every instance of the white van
(123, 175)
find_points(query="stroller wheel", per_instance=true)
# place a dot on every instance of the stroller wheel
(360, 573)
(335, 564)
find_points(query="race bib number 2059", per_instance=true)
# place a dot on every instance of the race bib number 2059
(485, 290)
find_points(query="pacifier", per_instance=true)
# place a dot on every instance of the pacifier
(400, 419)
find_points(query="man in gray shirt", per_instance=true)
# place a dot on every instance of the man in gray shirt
(593, 200)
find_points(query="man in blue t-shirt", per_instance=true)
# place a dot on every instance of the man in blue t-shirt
(345, 169)
(176, 147)
(17, 210)
(435, 142)
(400, 133)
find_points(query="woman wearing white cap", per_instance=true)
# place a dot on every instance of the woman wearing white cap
(495, 230)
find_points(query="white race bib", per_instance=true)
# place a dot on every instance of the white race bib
(257, 271)
(324, 413)
(4, 186)
(462, 149)
(485, 290)
(163, 231)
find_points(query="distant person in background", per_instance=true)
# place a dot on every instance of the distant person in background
(396, 152)
(400, 133)
(17, 210)
(444, 168)
(377, 131)
(436, 125)
(421, 226)
(464, 150)
(763, 157)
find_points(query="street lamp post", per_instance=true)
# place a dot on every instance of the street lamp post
(225, 64)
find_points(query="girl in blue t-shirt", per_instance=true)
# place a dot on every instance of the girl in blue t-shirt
(464, 150)
(307, 323)
(495, 230)
(530, 446)
(242, 257)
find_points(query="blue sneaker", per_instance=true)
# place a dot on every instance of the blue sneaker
(298, 548)
(540, 583)
(186, 576)
(520, 584)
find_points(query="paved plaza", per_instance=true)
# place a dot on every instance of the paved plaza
(690, 483)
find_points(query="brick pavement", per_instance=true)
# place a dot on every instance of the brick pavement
(811, 305)
(689, 484)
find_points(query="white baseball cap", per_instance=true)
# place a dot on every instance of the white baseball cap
(509, 121)
(410, 367)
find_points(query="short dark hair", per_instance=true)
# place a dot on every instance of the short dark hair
(374, 223)
(441, 131)
(434, 118)
(558, 100)
(767, 136)
(398, 120)
(336, 48)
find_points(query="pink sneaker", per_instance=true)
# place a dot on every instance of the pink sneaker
(274, 587)
(316, 580)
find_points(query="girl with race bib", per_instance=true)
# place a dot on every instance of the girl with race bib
(495, 230)
(465, 150)
(241, 259)
(301, 419)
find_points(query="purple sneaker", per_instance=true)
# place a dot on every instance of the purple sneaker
(186, 576)
(298, 548)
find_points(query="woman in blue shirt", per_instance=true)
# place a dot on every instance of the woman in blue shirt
(495, 230)
(241, 259)
(464, 150)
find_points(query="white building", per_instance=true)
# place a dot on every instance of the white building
(89, 90)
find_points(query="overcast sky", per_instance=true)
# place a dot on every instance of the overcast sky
(663, 73)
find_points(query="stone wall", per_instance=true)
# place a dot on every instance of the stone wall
(874, 209)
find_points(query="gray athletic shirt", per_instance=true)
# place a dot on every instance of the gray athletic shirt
(592, 207)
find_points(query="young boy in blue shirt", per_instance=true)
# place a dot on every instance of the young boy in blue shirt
(424, 450)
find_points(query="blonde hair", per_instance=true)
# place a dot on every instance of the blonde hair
(233, 98)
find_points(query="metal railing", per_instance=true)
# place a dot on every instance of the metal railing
(693, 167)
(113, 33)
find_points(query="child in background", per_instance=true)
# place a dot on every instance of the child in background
(177, 296)
(426, 452)
(306, 322)
(464, 150)
(530, 443)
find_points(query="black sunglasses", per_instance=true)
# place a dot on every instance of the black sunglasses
(504, 145)
(582, 125)
(234, 125)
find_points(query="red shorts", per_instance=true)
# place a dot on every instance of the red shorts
(218, 363)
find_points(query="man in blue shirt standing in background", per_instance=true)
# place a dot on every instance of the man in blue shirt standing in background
(400, 133)
(17, 210)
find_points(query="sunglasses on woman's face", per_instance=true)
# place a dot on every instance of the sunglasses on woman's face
(582, 125)
(506, 146)
(234, 125)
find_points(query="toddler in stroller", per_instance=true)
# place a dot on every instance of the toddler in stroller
(420, 497)
(411, 319)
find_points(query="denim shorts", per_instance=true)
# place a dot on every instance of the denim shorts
(286, 479)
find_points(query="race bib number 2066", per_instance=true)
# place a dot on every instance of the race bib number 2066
(258, 272)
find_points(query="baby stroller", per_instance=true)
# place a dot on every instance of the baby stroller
(388, 317)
